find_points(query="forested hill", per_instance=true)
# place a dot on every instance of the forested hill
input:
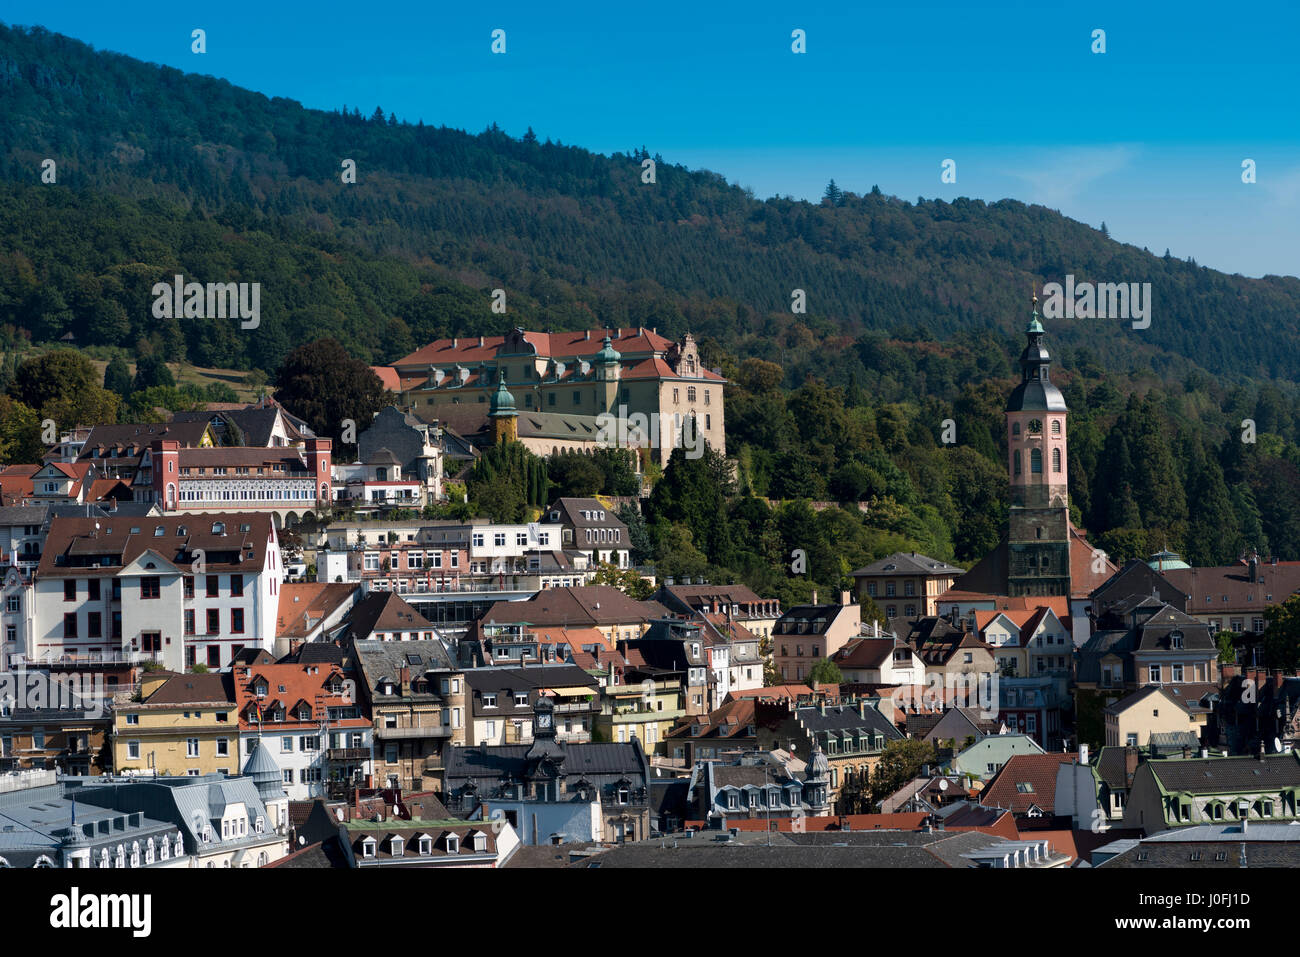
(160, 172)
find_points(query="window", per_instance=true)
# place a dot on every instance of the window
(237, 586)
(94, 625)
(1036, 461)
(489, 699)
(237, 620)
(189, 586)
(214, 621)
(1016, 460)
(69, 589)
(213, 584)
(1153, 673)
(133, 750)
(70, 625)
(521, 699)
(223, 747)
(191, 747)
(150, 587)
(286, 744)
(1056, 460)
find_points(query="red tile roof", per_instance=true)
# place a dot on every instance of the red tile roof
(1038, 771)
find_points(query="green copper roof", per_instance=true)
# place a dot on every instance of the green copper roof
(608, 353)
(1034, 324)
(503, 403)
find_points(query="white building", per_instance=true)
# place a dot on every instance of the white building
(178, 589)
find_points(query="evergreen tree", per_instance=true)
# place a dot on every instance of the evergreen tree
(117, 377)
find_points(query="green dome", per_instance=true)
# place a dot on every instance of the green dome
(1167, 561)
(608, 353)
(503, 403)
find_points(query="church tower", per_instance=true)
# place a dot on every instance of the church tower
(1038, 554)
(501, 410)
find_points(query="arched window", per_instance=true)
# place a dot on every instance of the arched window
(1017, 461)
(1036, 461)
(1056, 460)
(1056, 426)
(1015, 428)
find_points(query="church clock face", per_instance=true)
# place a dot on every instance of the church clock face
(1035, 426)
(543, 721)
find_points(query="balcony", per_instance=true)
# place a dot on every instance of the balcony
(347, 755)
(575, 706)
(402, 734)
(82, 661)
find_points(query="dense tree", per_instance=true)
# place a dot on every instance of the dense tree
(323, 384)
(117, 377)
(150, 371)
(1282, 635)
(899, 763)
(824, 672)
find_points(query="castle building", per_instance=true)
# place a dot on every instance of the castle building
(551, 388)
(1042, 554)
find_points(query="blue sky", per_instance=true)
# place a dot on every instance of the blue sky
(1148, 137)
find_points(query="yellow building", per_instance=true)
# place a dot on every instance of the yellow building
(1131, 721)
(644, 704)
(184, 724)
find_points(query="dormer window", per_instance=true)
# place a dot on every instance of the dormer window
(426, 846)
(260, 690)
(453, 844)
(396, 846)
(368, 847)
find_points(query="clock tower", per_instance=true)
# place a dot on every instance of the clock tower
(1038, 555)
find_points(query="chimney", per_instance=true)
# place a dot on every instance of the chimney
(586, 335)
(480, 342)
(1205, 752)
(455, 343)
(845, 598)
(1083, 754)
(1254, 568)
(814, 601)
(404, 679)
(1260, 753)
(862, 708)
(1132, 758)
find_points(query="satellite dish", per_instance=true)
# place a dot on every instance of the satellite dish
(301, 840)
(943, 784)
(1277, 745)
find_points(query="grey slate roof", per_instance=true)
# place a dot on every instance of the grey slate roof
(839, 849)
(1238, 773)
(589, 759)
(908, 563)
(845, 718)
(385, 659)
(189, 803)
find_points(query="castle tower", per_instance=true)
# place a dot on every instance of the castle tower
(608, 373)
(501, 410)
(1038, 557)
